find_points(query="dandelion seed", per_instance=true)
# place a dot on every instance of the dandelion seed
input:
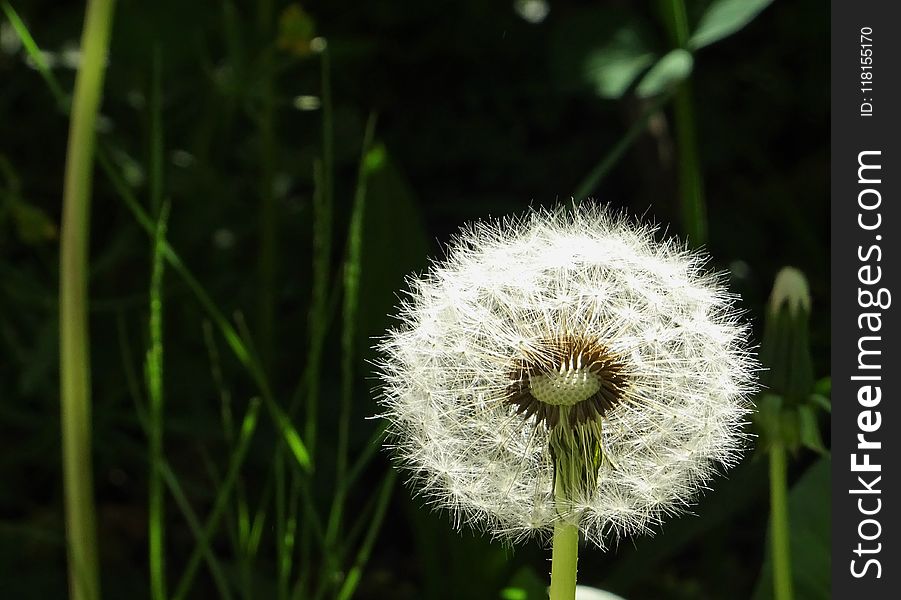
(565, 367)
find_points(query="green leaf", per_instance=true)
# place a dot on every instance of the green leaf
(296, 29)
(612, 69)
(393, 241)
(292, 438)
(810, 429)
(821, 402)
(525, 585)
(33, 225)
(669, 70)
(767, 417)
(810, 509)
(723, 18)
(606, 49)
(823, 386)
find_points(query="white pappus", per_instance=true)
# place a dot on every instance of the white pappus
(565, 364)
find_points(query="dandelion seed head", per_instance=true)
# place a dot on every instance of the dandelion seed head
(565, 350)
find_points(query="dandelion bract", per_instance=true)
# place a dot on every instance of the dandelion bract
(565, 364)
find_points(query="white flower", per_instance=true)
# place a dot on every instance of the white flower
(565, 365)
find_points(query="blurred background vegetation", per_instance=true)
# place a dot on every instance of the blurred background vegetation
(312, 155)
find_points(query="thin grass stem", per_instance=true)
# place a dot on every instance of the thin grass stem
(37, 57)
(610, 160)
(268, 218)
(348, 333)
(154, 371)
(75, 368)
(248, 427)
(349, 585)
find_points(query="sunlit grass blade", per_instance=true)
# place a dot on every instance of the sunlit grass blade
(75, 368)
(349, 330)
(218, 574)
(248, 427)
(166, 472)
(154, 372)
(366, 455)
(322, 249)
(34, 53)
(291, 437)
(255, 532)
(240, 349)
(323, 201)
(353, 575)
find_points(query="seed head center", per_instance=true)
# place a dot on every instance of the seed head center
(566, 387)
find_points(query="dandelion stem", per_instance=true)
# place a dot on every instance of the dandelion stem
(75, 369)
(782, 578)
(564, 559)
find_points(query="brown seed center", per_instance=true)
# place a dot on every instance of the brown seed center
(573, 372)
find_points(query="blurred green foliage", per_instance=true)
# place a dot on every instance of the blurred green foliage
(483, 108)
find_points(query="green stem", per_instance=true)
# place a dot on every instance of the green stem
(782, 577)
(599, 172)
(691, 186)
(269, 217)
(564, 560)
(75, 369)
(154, 365)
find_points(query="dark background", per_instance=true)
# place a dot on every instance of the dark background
(479, 113)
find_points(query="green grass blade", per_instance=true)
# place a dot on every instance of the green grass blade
(610, 160)
(322, 220)
(269, 213)
(366, 455)
(348, 332)
(154, 370)
(156, 135)
(255, 533)
(353, 575)
(75, 368)
(323, 201)
(166, 472)
(225, 399)
(240, 349)
(34, 53)
(216, 570)
(291, 437)
(248, 427)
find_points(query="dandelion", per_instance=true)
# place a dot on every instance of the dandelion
(564, 372)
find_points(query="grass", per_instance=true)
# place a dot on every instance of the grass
(75, 367)
(294, 507)
(319, 547)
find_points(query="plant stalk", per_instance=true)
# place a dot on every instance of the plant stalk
(564, 560)
(691, 185)
(779, 532)
(75, 368)
(269, 214)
